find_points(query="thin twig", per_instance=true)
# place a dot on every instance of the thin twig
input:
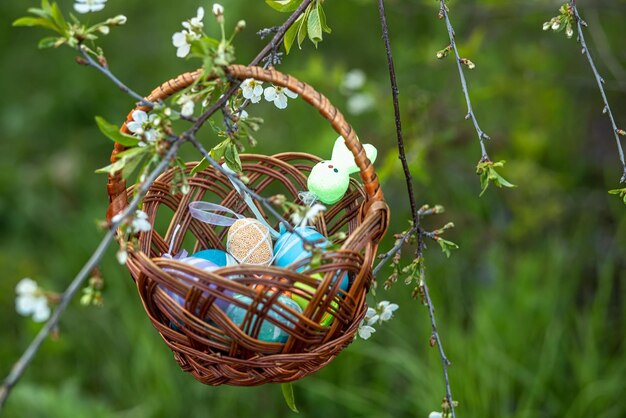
(600, 81)
(416, 228)
(123, 87)
(385, 257)
(396, 109)
(20, 366)
(443, 12)
(444, 360)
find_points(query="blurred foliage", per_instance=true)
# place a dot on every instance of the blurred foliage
(531, 308)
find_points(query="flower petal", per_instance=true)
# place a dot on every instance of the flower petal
(183, 51)
(26, 286)
(24, 305)
(82, 8)
(281, 101)
(42, 310)
(270, 94)
(290, 93)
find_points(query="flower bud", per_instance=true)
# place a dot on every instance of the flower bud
(218, 12)
(104, 30)
(117, 20)
(241, 25)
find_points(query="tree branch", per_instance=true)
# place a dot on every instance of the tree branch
(409, 183)
(176, 141)
(600, 81)
(20, 366)
(443, 13)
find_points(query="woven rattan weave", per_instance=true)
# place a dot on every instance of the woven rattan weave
(205, 342)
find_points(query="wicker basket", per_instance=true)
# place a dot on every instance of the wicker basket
(205, 342)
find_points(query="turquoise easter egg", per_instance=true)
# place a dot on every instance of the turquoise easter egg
(268, 332)
(219, 257)
(289, 248)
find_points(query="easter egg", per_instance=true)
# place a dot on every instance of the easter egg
(201, 264)
(218, 257)
(250, 242)
(303, 302)
(268, 332)
(289, 248)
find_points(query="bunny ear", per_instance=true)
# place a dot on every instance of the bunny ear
(343, 157)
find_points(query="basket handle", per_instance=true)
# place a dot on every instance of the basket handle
(117, 186)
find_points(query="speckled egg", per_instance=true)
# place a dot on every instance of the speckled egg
(250, 242)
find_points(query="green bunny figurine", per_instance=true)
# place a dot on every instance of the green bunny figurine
(329, 180)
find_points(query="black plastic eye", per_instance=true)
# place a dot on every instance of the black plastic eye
(335, 170)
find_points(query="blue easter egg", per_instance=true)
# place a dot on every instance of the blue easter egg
(289, 247)
(268, 332)
(219, 257)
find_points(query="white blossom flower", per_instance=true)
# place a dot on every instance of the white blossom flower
(309, 216)
(353, 80)
(279, 95)
(144, 126)
(252, 90)
(193, 31)
(187, 105)
(360, 103)
(86, 6)
(435, 415)
(182, 41)
(140, 222)
(371, 316)
(31, 300)
(195, 24)
(365, 331)
(385, 310)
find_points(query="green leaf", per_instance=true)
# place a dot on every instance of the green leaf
(49, 42)
(446, 246)
(287, 389)
(58, 17)
(302, 28)
(325, 27)
(314, 26)
(113, 133)
(291, 33)
(131, 165)
(284, 5)
(231, 156)
(200, 166)
(37, 21)
(499, 180)
(125, 158)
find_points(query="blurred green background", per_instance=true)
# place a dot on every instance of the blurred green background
(531, 308)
